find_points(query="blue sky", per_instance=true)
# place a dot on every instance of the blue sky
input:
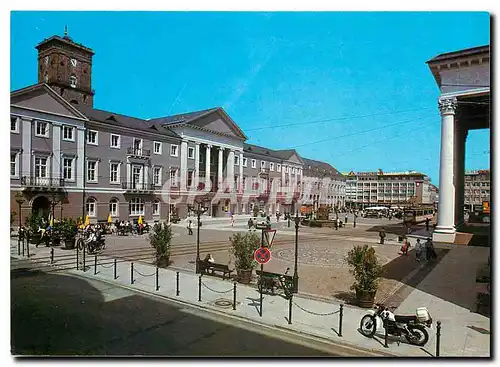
(359, 71)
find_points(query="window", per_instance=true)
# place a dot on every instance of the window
(236, 160)
(114, 141)
(73, 80)
(262, 164)
(173, 177)
(68, 133)
(157, 147)
(191, 153)
(73, 62)
(114, 173)
(136, 206)
(271, 166)
(293, 170)
(278, 167)
(41, 167)
(156, 207)
(13, 125)
(92, 137)
(174, 150)
(157, 176)
(190, 178)
(68, 169)
(90, 207)
(244, 162)
(13, 164)
(91, 171)
(42, 129)
(254, 163)
(113, 207)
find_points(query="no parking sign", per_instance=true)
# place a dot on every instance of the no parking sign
(262, 255)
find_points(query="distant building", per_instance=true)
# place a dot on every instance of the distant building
(365, 189)
(477, 188)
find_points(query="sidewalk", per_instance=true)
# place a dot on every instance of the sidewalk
(312, 317)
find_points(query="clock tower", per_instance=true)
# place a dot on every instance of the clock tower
(66, 67)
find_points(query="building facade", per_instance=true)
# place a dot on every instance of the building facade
(364, 189)
(76, 160)
(477, 188)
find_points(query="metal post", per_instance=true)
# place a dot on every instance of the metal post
(19, 231)
(177, 283)
(27, 245)
(438, 338)
(290, 309)
(114, 274)
(386, 333)
(295, 269)
(199, 289)
(84, 267)
(95, 265)
(234, 296)
(198, 270)
(260, 290)
(157, 283)
(77, 257)
(340, 319)
(51, 255)
(23, 248)
(131, 273)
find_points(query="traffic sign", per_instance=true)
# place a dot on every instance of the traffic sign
(262, 255)
(261, 226)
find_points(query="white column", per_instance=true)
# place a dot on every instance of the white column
(283, 178)
(146, 175)
(26, 169)
(445, 229)
(220, 175)
(184, 152)
(196, 165)
(56, 151)
(230, 170)
(207, 167)
(129, 173)
(240, 184)
(81, 159)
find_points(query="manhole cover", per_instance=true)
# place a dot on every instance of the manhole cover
(224, 303)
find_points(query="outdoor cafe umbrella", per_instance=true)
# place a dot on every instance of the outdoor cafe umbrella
(139, 221)
(87, 221)
(110, 220)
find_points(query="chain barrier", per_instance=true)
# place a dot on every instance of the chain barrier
(107, 267)
(316, 313)
(144, 275)
(213, 290)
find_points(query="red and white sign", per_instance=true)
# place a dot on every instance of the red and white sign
(262, 255)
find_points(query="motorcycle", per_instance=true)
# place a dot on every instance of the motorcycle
(412, 327)
(93, 239)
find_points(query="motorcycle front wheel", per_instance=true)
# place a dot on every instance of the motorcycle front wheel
(367, 326)
(80, 244)
(417, 335)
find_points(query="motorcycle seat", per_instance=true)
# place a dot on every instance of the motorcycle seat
(404, 319)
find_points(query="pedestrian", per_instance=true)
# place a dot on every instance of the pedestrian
(250, 223)
(418, 250)
(405, 247)
(232, 220)
(345, 221)
(429, 250)
(427, 224)
(355, 216)
(382, 235)
(268, 221)
(190, 229)
(336, 224)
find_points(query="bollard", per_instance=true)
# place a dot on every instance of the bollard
(95, 265)
(131, 273)
(27, 247)
(51, 255)
(157, 284)
(177, 283)
(290, 309)
(77, 258)
(115, 270)
(234, 296)
(199, 289)
(386, 333)
(84, 258)
(438, 338)
(23, 248)
(340, 318)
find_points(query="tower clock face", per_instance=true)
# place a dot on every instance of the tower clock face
(73, 62)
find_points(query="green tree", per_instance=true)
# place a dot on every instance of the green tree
(160, 239)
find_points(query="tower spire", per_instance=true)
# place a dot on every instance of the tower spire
(66, 31)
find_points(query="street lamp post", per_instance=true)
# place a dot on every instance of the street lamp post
(20, 201)
(295, 270)
(199, 211)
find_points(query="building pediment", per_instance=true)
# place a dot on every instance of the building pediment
(43, 98)
(218, 122)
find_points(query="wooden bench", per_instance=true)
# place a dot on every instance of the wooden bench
(270, 281)
(210, 268)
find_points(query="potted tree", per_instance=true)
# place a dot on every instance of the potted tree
(68, 230)
(243, 247)
(160, 239)
(33, 224)
(367, 270)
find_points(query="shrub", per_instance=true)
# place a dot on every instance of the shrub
(160, 239)
(33, 223)
(68, 229)
(243, 247)
(365, 267)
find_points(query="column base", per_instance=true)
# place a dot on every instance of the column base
(444, 234)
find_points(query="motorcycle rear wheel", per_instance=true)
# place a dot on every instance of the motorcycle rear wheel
(418, 335)
(367, 326)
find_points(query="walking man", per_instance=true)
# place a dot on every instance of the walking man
(418, 248)
(427, 224)
(382, 235)
(190, 229)
(345, 221)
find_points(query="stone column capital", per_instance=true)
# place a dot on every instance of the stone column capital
(447, 105)
(221, 148)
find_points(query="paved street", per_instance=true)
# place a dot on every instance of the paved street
(55, 314)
